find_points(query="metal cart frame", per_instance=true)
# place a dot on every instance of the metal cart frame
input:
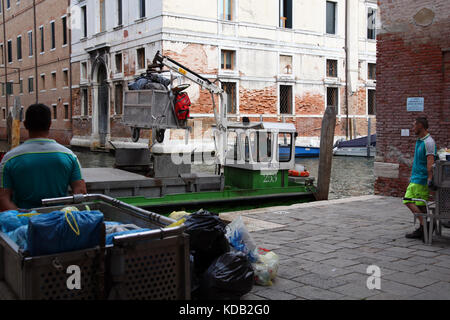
(152, 265)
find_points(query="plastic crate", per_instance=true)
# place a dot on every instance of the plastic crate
(150, 265)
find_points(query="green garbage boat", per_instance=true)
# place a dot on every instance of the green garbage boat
(254, 174)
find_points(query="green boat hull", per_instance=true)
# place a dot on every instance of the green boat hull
(231, 199)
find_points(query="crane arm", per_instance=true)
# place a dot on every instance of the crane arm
(161, 60)
(221, 120)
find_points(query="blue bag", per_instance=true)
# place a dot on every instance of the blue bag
(20, 236)
(9, 221)
(58, 232)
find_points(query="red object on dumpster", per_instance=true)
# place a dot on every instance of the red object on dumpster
(182, 106)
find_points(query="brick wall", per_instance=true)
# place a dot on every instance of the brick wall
(412, 53)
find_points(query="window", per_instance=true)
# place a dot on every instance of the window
(9, 88)
(119, 13)
(286, 14)
(371, 71)
(285, 64)
(2, 54)
(118, 59)
(3, 89)
(30, 85)
(371, 102)
(64, 28)
(8, 4)
(10, 51)
(21, 86)
(66, 78)
(332, 97)
(84, 21)
(118, 106)
(226, 9)
(42, 84)
(141, 58)
(53, 80)
(228, 59)
(55, 112)
(141, 8)
(4, 113)
(30, 43)
(332, 68)
(19, 48)
(84, 71)
(52, 28)
(102, 16)
(286, 100)
(285, 140)
(371, 23)
(66, 111)
(41, 29)
(331, 17)
(84, 102)
(230, 90)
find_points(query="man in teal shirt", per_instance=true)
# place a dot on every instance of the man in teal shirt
(39, 168)
(422, 173)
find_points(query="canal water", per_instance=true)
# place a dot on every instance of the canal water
(350, 176)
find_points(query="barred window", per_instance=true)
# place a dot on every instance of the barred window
(332, 66)
(286, 100)
(230, 89)
(332, 97)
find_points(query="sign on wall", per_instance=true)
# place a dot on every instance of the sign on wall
(415, 104)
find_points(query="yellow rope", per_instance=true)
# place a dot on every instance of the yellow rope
(77, 231)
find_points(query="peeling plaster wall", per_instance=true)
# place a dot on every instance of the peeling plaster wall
(195, 34)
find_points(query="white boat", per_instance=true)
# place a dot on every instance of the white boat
(356, 147)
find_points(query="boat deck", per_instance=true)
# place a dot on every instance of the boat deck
(119, 183)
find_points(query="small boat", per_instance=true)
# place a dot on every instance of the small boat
(252, 176)
(300, 152)
(356, 147)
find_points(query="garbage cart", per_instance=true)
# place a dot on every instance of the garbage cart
(149, 265)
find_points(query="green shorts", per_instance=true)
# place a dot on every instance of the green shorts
(417, 191)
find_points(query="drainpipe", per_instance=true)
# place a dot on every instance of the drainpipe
(347, 61)
(69, 30)
(35, 53)
(5, 56)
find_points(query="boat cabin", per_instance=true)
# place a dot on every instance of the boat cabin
(253, 158)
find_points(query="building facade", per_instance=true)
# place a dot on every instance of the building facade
(414, 66)
(35, 61)
(280, 59)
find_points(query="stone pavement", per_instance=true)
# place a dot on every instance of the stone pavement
(326, 247)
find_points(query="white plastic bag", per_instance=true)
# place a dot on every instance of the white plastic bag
(266, 269)
(240, 239)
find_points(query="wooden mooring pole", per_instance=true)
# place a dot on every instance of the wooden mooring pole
(369, 136)
(326, 153)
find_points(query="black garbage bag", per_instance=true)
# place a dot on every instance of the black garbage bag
(228, 278)
(206, 239)
(158, 79)
(138, 84)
